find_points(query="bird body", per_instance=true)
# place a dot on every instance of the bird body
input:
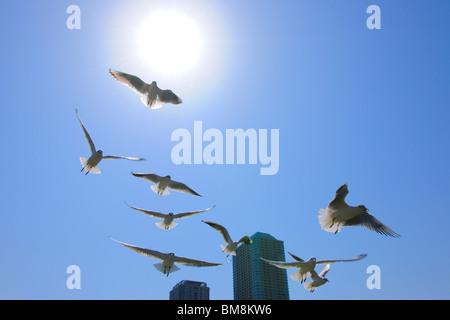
(317, 280)
(339, 214)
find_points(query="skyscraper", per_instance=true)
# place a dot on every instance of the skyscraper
(189, 290)
(254, 279)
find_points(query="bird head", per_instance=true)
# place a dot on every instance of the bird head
(170, 214)
(171, 254)
(168, 177)
(363, 207)
(100, 152)
(342, 188)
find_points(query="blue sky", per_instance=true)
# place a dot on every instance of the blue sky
(366, 107)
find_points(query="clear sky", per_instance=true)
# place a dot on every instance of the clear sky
(366, 107)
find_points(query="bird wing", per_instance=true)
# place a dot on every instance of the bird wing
(324, 270)
(167, 96)
(284, 265)
(126, 158)
(245, 240)
(131, 81)
(86, 135)
(361, 256)
(368, 221)
(181, 187)
(194, 263)
(143, 251)
(296, 258)
(149, 213)
(339, 198)
(222, 230)
(189, 214)
(154, 178)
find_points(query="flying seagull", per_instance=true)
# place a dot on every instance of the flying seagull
(317, 279)
(168, 219)
(339, 214)
(90, 165)
(163, 184)
(306, 267)
(167, 265)
(231, 245)
(151, 96)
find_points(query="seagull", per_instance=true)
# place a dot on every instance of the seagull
(90, 165)
(306, 267)
(339, 214)
(167, 265)
(317, 279)
(151, 96)
(231, 245)
(163, 184)
(168, 219)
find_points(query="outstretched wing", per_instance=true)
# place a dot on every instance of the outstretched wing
(361, 256)
(368, 221)
(131, 81)
(181, 187)
(153, 214)
(195, 263)
(86, 135)
(143, 251)
(324, 270)
(154, 178)
(339, 198)
(126, 158)
(189, 214)
(284, 265)
(245, 240)
(296, 258)
(167, 96)
(221, 230)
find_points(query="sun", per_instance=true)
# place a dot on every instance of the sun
(169, 42)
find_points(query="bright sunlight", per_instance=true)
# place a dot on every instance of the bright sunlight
(169, 42)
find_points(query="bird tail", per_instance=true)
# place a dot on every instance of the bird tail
(299, 276)
(156, 189)
(224, 249)
(309, 286)
(160, 268)
(163, 226)
(327, 222)
(88, 168)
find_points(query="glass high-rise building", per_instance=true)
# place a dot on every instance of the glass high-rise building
(255, 279)
(189, 290)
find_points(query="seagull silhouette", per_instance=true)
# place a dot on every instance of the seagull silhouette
(151, 96)
(231, 245)
(167, 265)
(91, 165)
(168, 219)
(339, 214)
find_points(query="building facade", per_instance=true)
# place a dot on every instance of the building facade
(255, 279)
(189, 290)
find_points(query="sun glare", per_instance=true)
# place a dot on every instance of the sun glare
(169, 42)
